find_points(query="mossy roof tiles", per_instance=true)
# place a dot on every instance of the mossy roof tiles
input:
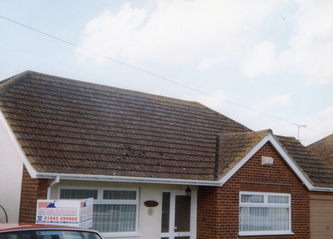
(72, 127)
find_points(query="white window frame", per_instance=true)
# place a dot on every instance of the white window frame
(100, 200)
(265, 204)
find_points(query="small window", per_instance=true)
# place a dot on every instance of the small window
(278, 199)
(252, 198)
(117, 194)
(264, 214)
(78, 193)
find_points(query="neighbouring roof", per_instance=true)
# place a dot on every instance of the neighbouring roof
(72, 127)
(323, 149)
(316, 169)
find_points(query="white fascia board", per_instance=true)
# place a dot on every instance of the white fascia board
(269, 137)
(87, 177)
(321, 189)
(17, 146)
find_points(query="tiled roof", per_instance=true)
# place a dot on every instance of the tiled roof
(235, 146)
(320, 173)
(73, 127)
(323, 149)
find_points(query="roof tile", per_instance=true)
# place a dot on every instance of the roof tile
(67, 126)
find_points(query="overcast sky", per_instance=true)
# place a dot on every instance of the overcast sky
(265, 64)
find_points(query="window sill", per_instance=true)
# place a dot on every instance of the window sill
(265, 233)
(122, 234)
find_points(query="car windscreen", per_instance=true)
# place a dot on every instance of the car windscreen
(49, 234)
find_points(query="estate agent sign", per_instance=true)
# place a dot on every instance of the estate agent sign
(76, 213)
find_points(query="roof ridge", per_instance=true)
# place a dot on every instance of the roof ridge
(162, 100)
(218, 113)
(90, 85)
(267, 131)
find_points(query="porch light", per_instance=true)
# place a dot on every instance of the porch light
(188, 191)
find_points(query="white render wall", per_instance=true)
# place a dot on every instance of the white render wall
(11, 169)
(149, 225)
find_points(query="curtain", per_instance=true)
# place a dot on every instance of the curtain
(264, 219)
(114, 218)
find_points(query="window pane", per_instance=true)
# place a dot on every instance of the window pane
(118, 194)
(278, 199)
(114, 218)
(165, 211)
(182, 213)
(263, 219)
(78, 193)
(252, 198)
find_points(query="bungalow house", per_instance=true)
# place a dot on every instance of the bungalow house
(156, 167)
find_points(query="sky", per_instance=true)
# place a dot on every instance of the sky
(265, 64)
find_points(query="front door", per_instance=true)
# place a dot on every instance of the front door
(178, 215)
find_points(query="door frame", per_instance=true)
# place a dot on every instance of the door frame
(193, 215)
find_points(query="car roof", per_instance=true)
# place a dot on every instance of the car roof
(16, 226)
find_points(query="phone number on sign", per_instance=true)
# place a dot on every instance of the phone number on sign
(72, 219)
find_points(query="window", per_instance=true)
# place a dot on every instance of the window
(115, 210)
(264, 213)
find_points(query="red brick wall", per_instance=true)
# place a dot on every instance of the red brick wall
(218, 207)
(32, 189)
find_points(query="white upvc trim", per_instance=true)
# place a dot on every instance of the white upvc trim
(268, 233)
(265, 195)
(266, 204)
(321, 189)
(193, 215)
(55, 181)
(32, 172)
(270, 138)
(89, 177)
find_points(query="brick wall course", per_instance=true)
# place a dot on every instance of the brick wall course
(32, 189)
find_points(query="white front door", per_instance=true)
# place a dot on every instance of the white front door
(179, 215)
